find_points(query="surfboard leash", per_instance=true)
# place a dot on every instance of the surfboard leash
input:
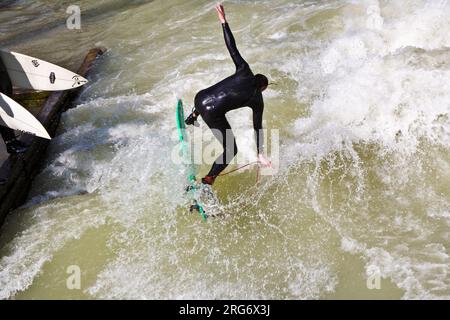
(242, 167)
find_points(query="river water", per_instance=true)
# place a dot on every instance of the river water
(360, 205)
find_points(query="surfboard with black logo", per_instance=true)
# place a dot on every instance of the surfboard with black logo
(31, 73)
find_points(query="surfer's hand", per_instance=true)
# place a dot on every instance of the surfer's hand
(264, 161)
(221, 13)
(192, 120)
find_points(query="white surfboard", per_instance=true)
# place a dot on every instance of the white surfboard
(14, 116)
(32, 73)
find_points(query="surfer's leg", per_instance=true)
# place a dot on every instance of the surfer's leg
(5, 81)
(12, 144)
(7, 134)
(222, 131)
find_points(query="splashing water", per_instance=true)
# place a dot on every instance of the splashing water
(362, 104)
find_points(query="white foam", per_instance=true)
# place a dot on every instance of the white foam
(364, 81)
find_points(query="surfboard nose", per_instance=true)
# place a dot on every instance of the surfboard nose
(18, 118)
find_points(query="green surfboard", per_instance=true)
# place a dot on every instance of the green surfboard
(192, 188)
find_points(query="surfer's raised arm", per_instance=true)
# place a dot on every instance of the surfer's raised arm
(229, 39)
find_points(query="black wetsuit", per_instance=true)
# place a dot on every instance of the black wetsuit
(5, 88)
(237, 91)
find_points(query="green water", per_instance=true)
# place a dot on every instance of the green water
(361, 104)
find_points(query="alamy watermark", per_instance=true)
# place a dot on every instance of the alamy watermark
(373, 278)
(73, 281)
(73, 22)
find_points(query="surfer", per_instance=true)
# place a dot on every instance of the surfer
(242, 89)
(12, 144)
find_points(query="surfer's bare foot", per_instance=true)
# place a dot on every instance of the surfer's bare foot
(15, 147)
